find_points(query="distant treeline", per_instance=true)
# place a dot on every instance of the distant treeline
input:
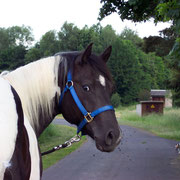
(136, 64)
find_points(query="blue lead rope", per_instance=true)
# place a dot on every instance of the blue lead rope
(88, 117)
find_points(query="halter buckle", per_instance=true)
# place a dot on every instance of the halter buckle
(69, 84)
(88, 117)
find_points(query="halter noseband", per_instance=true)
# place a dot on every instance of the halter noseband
(88, 116)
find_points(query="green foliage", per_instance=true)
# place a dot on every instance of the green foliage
(32, 55)
(107, 36)
(132, 69)
(161, 46)
(49, 44)
(144, 95)
(125, 70)
(15, 36)
(174, 65)
(69, 37)
(4, 39)
(20, 35)
(157, 70)
(131, 35)
(140, 10)
(12, 57)
(115, 100)
(176, 98)
(174, 79)
(160, 10)
(169, 10)
(135, 10)
(13, 46)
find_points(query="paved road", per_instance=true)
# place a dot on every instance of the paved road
(140, 156)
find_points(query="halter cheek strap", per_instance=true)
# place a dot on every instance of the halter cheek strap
(88, 116)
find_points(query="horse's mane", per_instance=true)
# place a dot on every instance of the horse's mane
(36, 84)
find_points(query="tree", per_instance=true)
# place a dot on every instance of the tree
(134, 70)
(140, 10)
(169, 10)
(144, 95)
(69, 37)
(174, 84)
(14, 36)
(14, 42)
(12, 57)
(135, 10)
(131, 35)
(115, 100)
(126, 71)
(4, 39)
(20, 35)
(33, 54)
(89, 35)
(160, 10)
(49, 44)
(161, 46)
(107, 36)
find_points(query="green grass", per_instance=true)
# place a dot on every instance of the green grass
(60, 116)
(53, 136)
(167, 125)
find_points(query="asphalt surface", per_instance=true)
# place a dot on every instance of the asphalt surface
(140, 156)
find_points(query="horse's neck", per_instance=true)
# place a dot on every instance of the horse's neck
(37, 86)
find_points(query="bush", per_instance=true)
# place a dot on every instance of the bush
(144, 95)
(115, 100)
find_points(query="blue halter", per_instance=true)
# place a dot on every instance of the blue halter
(88, 116)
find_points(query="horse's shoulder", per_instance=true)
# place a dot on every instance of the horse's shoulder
(14, 134)
(8, 124)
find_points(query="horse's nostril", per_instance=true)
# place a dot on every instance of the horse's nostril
(109, 138)
(111, 135)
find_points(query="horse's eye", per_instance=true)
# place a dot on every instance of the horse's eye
(86, 88)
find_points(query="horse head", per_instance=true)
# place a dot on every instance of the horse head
(93, 85)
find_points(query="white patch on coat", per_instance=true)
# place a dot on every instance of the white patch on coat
(102, 80)
(8, 125)
(34, 151)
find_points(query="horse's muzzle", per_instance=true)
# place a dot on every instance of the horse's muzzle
(111, 141)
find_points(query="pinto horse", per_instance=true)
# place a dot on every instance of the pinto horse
(29, 101)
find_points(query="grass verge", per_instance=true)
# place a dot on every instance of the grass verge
(167, 125)
(53, 136)
(59, 116)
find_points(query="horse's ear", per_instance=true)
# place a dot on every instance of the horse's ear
(87, 52)
(85, 55)
(106, 54)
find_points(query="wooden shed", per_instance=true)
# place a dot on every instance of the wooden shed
(147, 107)
(158, 95)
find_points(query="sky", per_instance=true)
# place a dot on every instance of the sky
(45, 15)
